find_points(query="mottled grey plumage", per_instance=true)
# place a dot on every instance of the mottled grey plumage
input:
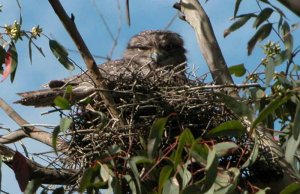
(151, 54)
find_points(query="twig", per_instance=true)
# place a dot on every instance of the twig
(221, 86)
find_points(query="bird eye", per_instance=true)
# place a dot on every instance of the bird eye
(168, 47)
(142, 48)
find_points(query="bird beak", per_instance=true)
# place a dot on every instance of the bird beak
(157, 56)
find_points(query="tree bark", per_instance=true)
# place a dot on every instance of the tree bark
(194, 14)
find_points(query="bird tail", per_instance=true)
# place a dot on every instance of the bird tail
(42, 98)
(39, 98)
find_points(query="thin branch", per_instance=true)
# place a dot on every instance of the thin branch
(70, 26)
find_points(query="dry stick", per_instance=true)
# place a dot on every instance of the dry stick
(32, 132)
(88, 59)
(194, 14)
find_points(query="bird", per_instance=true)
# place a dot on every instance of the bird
(151, 54)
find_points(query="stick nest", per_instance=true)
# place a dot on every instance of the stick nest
(95, 136)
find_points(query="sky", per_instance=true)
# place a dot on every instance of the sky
(150, 14)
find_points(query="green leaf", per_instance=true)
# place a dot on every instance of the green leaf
(171, 186)
(32, 186)
(290, 151)
(130, 182)
(262, 33)
(133, 166)
(185, 174)
(240, 109)
(236, 7)
(136, 174)
(88, 178)
(114, 186)
(62, 103)
(199, 152)
(226, 181)
(57, 49)
(66, 63)
(296, 124)
(105, 172)
(30, 49)
(293, 188)
(186, 137)
(287, 36)
(238, 70)
(164, 176)
(262, 16)
(269, 71)
(155, 136)
(230, 128)
(225, 148)
(141, 160)
(65, 123)
(254, 154)
(61, 54)
(237, 24)
(14, 63)
(281, 57)
(55, 133)
(211, 169)
(269, 109)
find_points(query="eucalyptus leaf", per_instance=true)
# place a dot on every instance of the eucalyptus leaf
(293, 188)
(269, 71)
(225, 148)
(263, 16)
(211, 169)
(262, 33)
(296, 124)
(65, 123)
(238, 70)
(287, 36)
(237, 24)
(229, 128)
(269, 109)
(164, 176)
(155, 136)
(62, 102)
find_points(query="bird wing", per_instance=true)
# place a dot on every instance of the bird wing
(82, 86)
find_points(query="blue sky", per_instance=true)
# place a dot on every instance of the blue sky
(151, 14)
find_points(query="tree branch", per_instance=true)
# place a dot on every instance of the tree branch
(36, 171)
(32, 132)
(71, 28)
(194, 14)
(292, 5)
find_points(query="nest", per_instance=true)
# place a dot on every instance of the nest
(95, 136)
